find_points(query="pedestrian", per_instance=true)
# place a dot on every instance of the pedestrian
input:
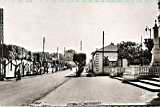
(18, 75)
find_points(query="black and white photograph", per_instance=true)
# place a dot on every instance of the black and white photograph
(77, 53)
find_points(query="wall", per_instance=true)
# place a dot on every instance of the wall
(97, 60)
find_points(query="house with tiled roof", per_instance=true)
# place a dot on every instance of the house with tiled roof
(110, 57)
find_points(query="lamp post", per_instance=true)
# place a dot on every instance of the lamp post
(148, 29)
(149, 42)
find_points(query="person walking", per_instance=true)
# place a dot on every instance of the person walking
(18, 75)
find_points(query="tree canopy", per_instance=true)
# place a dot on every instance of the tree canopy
(79, 58)
(134, 53)
(130, 51)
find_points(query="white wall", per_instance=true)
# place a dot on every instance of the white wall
(111, 56)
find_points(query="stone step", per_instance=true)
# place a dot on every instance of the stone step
(155, 79)
(151, 82)
(149, 87)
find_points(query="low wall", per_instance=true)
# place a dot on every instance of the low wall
(141, 71)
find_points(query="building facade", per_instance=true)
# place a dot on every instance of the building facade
(110, 58)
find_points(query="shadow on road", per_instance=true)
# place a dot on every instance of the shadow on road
(74, 75)
(70, 76)
(155, 102)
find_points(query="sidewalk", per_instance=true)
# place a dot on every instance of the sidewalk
(150, 84)
(30, 76)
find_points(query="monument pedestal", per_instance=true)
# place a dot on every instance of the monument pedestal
(156, 48)
(155, 57)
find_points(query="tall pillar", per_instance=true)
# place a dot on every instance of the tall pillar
(156, 48)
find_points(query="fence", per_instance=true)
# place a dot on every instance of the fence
(140, 71)
(115, 71)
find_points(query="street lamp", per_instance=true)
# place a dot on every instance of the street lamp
(149, 42)
(148, 29)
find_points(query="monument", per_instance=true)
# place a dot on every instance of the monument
(156, 40)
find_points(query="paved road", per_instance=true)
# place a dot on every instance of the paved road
(30, 89)
(56, 89)
(98, 90)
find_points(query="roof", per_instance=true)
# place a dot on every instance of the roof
(111, 47)
(108, 48)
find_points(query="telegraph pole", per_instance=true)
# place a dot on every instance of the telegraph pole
(103, 54)
(43, 43)
(141, 53)
(81, 45)
(1, 41)
(57, 53)
(43, 51)
(64, 51)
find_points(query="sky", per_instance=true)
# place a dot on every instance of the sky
(64, 23)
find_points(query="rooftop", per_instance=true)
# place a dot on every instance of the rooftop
(108, 48)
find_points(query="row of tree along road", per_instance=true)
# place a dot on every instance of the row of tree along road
(17, 61)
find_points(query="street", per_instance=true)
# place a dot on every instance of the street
(99, 90)
(29, 89)
(58, 89)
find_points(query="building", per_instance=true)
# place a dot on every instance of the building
(110, 58)
(68, 55)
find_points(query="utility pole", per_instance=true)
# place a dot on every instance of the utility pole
(103, 54)
(43, 47)
(141, 53)
(1, 41)
(148, 29)
(43, 43)
(64, 51)
(43, 59)
(57, 53)
(81, 45)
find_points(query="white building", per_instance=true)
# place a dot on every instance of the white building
(110, 53)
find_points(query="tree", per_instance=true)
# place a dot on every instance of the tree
(80, 61)
(69, 54)
(149, 45)
(130, 51)
(12, 52)
(147, 56)
(5, 51)
(106, 61)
